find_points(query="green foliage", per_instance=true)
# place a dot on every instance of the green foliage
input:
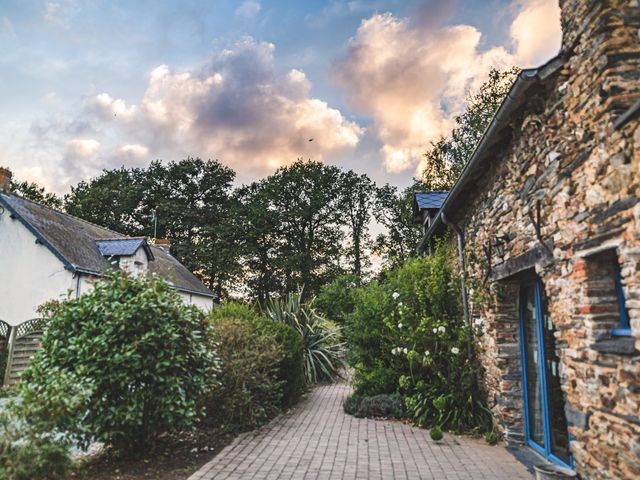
(189, 202)
(491, 438)
(322, 339)
(394, 212)
(250, 392)
(34, 426)
(435, 433)
(447, 157)
(336, 299)
(407, 335)
(138, 351)
(383, 405)
(261, 370)
(26, 454)
(34, 192)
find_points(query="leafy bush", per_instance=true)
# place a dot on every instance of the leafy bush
(139, 350)
(31, 442)
(388, 406)
(26, 454)
(323, 346)
(290, 368)
(435, 433)
(250, 391)
(407, 335)
(335, 300)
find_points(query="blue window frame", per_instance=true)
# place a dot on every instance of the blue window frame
(545, 420)
(625, 327)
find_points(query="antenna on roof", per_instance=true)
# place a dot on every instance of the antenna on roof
(155, 223)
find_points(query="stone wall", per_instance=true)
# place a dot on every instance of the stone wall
(566, 182)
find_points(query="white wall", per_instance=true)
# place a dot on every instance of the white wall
(205, 303)
(137, 264)
(29, 273)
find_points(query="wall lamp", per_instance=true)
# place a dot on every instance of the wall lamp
(499, 243)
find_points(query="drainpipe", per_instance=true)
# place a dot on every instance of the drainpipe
(463, 285)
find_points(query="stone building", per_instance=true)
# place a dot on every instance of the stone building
(548, 216)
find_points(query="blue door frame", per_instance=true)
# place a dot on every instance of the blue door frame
(545, 449)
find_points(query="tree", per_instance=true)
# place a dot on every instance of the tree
(112, 200)
(447, 157)
(306, 197)
(357, 200)
(189, 202)
(394, 211)
(34, 192)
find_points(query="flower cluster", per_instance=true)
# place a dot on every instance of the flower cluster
(399, 350)
(439, 330)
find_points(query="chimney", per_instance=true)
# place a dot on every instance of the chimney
(5, 179)
(162, 243)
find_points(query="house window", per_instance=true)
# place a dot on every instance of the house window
(624, 327)
(605, 296)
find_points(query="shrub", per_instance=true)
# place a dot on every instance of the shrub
(250, 391)
(141, 352)
(436, 433)
(290, 368)
(26, 454)
(388, 406)
(407, 335)
(31, 443)
(322, 339)
(491, 438)
(335, 300)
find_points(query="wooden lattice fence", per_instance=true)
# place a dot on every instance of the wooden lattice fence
(21, 344)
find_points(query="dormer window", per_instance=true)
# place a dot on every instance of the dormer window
(126, 253)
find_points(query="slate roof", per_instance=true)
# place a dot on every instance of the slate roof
(73, 242)
(430, 199)
(118, 247)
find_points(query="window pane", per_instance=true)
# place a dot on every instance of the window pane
(532, 369)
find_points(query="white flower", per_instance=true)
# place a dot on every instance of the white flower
(427, 353)
(435, 330)
(442, 329)
(393, 351)
(405, 350)
(455, 350)
(478, 321)
(400, 325)
(395, 295)
(399, 304)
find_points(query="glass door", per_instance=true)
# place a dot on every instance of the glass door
(545, 420)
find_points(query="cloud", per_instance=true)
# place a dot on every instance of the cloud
(410, 80)
(81, 148)
(248, 9)
(411, 76)
(536, 31)
(238, 107)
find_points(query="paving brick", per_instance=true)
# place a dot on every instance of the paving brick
(317, 440)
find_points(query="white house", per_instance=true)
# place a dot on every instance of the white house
(45, 253)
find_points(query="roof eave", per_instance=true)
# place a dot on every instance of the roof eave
(512, 101)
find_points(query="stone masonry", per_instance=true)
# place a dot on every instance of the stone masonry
(563, 186)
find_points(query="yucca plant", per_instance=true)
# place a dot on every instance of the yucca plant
(324, 349)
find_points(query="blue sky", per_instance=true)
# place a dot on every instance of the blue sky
(98, 84)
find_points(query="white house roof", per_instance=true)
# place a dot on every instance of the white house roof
(74, 242)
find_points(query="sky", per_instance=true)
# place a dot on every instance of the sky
(365, 85)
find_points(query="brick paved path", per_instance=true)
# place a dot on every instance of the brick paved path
(316, 440)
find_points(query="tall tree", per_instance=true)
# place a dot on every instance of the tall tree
(112, 200)
(447, 156)
(259, 230)
(357, 200)
(188, 202)
(394, 212)
(34, 192)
